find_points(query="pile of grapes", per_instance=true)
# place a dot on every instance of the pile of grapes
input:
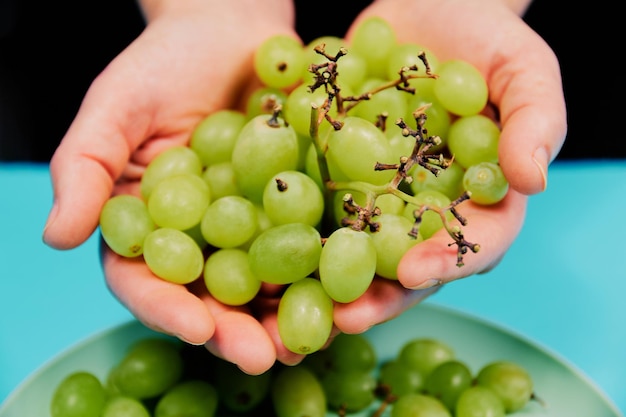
(347, 157)
(163, 377)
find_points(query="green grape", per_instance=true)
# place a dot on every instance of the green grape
(474, 139)
(285, 253)
(221, 180)
(391, 242)
(419, 405)
(347, 264)
(352, 68)
(238, 391)
(122, 406)
(431, 220)
(297, 110)
(264, 100)
(149, 368)
(312, 168)
(79, 394)
(229, 221)
(461, 88)
(357, 147)
(173, 255)
(346, 352)
(425, 354)
(195, 233)
(264, 223)
(373, 39)
(447, 381)
(351, 390)
(280, 61)
(293, 197)
(406, 55)
(297, 392)
(228, 277)
(179, 202)
(305, 316)
(399, 379)
(400, 145)
(331, 45)
(391, 102)
(261, 151)
(170, 162)
(191, 398)
(448, 181)
(479, 401)
(486, 183)
(124, 224)
(511, 383)
(438, 119)
(213, 139)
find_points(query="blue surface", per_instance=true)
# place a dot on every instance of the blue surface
(561, 284)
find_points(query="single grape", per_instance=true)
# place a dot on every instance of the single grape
(264, 100)
(285, 253)
(213, 139)
(228, 277)
(425, 354)
(305, 316)
(392, 241)
(238, 391)
(262, 150)
(351, 390)
(229, 221)
(172, 161)
(447, 381)
(461, 88)
(406, 54)
(438, 119)
(419, 405)
(179, 202)
(122, 406)
(79, 394)
(297, 392)
(373, 39)
(479, 401)
(124, 224)
(149, 368)
(474, 139)
(345, 352)
(486, 183)
(510, 381)
(399, 379)
(297, 109)
(279, 61)
(357, 147)
(293, 197)
(191, 398)
(347, 264)
(173, 255)
(221, 180)
(448, 181)
(391, 102)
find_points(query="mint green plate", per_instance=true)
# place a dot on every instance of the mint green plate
(565, 391)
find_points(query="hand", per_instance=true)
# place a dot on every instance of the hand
(524, 81)
(193, 58)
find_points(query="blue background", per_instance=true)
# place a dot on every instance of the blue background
(562, 284)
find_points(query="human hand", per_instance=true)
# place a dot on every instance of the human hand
(525, 86)
(193, 58)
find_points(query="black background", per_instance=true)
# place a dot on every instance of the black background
(51, 51)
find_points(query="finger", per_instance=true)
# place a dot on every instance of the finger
(240, 338)
(160, 305)
(434, 261)
(528, 91)
(384, 300)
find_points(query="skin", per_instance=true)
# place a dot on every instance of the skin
(152, 95)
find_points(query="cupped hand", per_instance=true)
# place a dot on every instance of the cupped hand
(193, 58)
(524, 81)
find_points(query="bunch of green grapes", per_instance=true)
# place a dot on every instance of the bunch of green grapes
(313, 188)
(162, 377)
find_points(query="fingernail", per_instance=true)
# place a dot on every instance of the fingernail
(51, 217)
(541, 159)
(429, 283)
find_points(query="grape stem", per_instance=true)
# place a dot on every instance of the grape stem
(326, 75)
